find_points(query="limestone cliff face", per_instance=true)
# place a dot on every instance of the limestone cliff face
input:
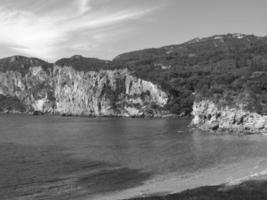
(33, 89)
(64, 90)
(236, 120)
(106, 93)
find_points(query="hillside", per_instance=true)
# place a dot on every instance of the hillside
(22, 64)
(227, 70)
(218, 66)
(81, 63)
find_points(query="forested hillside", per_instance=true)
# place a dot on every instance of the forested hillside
(228, 68)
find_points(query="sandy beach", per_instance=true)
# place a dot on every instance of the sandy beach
(222, 182)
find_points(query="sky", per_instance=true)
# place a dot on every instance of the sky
(52, 29)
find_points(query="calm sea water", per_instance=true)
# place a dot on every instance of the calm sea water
(57, 158)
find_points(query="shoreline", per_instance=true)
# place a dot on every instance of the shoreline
(247, 190)
(168, 116)
(210, 182)
(252, 188)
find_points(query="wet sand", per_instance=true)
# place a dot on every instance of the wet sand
(231, 181)
(248, 190)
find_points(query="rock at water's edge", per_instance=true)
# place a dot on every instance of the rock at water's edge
(209, 116)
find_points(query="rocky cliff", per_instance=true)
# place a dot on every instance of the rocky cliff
(231, 68)
(32, 90)
(65, 90)
(237, 120)
(106, 93)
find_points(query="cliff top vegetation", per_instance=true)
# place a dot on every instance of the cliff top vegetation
(21, 63)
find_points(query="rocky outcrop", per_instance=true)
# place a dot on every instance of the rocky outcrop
(106, 93)
(64, 90)
(33, 89)
(221, 119)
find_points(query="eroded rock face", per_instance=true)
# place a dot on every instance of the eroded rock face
(209, 116)
(64, 90)
(33, 89)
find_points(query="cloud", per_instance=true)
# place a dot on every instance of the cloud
(42, 35)
(30, 34)
(84, 6)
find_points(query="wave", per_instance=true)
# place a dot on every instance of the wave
(258, 171)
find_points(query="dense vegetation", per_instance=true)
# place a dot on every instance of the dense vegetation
(221, 67)
(22, 64)
(84, 64)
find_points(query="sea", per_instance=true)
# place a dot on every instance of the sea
(61, 158)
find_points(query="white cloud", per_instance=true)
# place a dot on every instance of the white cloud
(41, 35)
(84, 6)
(30, 34)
